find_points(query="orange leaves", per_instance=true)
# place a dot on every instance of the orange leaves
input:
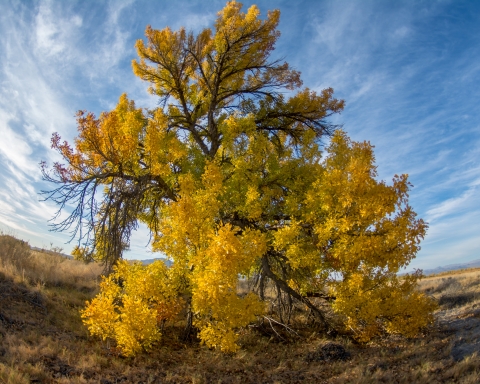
(115, 137)
(106, 144)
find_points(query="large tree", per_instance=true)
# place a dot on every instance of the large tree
(228, 175)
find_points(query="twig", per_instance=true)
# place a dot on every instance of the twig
(271, 325)
(283, 325)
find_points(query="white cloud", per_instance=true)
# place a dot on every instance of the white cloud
(410, 89)
(77, 21)
(455, 239)
(455, 205)
(402, 32)
(13, 147)
(48, 37)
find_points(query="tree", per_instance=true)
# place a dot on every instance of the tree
(228, 175)
(81, 254)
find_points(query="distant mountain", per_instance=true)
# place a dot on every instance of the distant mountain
(144, 262)
(150, 261)
(452, 267)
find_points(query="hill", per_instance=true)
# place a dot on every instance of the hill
(47, 251)
(453, 267)
(42, 339)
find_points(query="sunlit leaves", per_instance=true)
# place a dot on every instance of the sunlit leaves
(228, 174)
(132, 303)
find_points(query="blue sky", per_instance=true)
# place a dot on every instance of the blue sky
(409, 72)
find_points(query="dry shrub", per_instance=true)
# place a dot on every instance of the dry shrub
(54, 269)
(12, 375)
(457, 300)
(18, 261)
(448, 284)
(467, 370)
(14, 252)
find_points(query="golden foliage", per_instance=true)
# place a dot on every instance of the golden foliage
(228, 175)
(132, 302)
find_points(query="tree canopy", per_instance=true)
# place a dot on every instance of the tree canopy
(229, 176)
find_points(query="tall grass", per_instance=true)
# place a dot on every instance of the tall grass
(19, 262)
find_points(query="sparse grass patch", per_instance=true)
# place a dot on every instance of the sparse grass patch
(11, 375)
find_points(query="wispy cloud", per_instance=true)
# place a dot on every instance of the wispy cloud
(411, 86)
(409, 73)
(53, 35)
(45, 52)
(467, 201)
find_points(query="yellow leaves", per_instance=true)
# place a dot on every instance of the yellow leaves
(221, 315)
(165, 48)
(387, 303)
(366, 234)
(118, 131)
(80, 254)
(100, 316)
(214, 279)
(219, 337)
(229, 176)
(230, 253)
(216, 254)
(232, 24)
(131, 304)
(137, 327)
(364, 216)
(338, 220)
(212, 178)
(237, 131)
(106, 144)
(253, 208)
(162, 147)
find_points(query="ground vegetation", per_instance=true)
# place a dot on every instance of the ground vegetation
(42, 339)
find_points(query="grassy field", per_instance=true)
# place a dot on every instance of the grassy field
(42, 339)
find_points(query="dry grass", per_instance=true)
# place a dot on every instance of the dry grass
(42, 339)
(48, 268)
(459, 289)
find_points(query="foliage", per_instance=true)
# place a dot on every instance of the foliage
(81, 254)
(132, 302)
(228, 175)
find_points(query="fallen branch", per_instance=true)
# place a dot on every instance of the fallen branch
(273, 328)
(290, 330)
